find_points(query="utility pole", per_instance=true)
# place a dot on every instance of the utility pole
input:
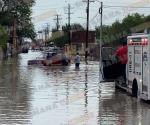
(57, 22)
(100, 42)
(47, 32)
(101, 23)
(69, 13)
(87, 30)
(69, 18)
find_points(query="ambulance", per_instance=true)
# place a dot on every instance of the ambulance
(138, 66)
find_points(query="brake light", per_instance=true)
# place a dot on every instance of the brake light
(145, 41)
(130, 42)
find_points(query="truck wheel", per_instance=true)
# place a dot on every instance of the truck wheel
(134, 88)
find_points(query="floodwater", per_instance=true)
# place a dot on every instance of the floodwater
(37, 95)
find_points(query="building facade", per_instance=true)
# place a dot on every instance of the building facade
(78, 41)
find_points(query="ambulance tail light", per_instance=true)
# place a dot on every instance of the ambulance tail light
(145, 41)
(130, 42)
(138, 41)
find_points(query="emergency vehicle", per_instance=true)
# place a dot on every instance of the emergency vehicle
(138, 66)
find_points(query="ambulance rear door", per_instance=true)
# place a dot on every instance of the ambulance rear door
(138, 66)
(138, 55)
(145, 60)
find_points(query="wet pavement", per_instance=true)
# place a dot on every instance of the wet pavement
(37, 95)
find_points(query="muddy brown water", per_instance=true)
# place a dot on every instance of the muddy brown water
(37, 95)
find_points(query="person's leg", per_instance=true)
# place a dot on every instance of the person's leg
(124, 73)
(63, 62)
(77, 65)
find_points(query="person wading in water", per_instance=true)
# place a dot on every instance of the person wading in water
(77, 61)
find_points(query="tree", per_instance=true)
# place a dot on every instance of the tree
(74, 26)
(19, 10)
(118, 31)
(27, 31)
(131, 21)
(62, 40)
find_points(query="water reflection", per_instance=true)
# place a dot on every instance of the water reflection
(121, 109)
(40, 95)
(14, 107)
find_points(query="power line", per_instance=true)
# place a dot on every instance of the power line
(108, 6)
(95, 16)
(57, 22)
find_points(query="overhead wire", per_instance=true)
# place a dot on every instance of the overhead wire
(109, 6)
(105, 6)
(119, 6)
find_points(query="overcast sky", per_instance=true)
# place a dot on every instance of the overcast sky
(44, 11)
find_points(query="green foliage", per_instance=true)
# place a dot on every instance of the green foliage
(74, 26)
(61, 41)
(3, 37)
(27, 31)
(19, 10)
(131, 21)
(118, 31)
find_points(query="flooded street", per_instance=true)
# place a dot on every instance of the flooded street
(38, 95)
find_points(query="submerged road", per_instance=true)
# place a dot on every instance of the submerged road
(38, 95)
